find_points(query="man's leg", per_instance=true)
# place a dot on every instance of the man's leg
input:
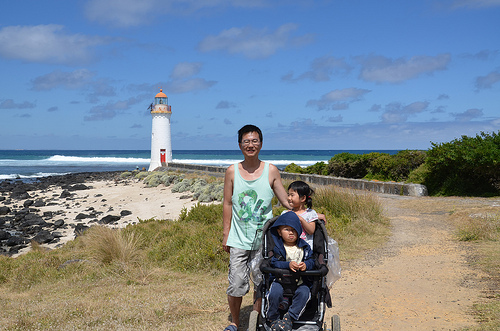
(234, 308)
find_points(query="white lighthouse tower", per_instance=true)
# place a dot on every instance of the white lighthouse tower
(161, 144)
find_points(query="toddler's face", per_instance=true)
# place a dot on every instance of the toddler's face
(288, 234)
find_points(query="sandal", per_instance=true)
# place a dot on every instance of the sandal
(231, 327)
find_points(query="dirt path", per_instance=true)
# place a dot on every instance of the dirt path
(419, 280)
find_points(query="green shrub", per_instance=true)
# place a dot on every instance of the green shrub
(293, 168)
(319, 168)
(465, 166)
(125, 174)
(348, 165)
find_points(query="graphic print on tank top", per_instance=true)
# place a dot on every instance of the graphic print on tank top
(251, 209)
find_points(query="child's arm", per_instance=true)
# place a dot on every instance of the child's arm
(309, 227)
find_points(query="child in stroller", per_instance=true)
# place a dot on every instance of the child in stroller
(290, 253)
(313, 277)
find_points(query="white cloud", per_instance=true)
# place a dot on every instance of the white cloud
(69, 80)
(189, 85)
(384, 70)
(185, 69)
(47, 44)
(397, 113)
(11, 104)
(225, 105)
(252, 43)
(112, 109)
(475, 3)
(322, 69)
(131, 13)
(121, 13)
(468, 115)
(338, 99)
(486, 82)
(78, 79)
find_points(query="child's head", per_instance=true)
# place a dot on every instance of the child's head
(288, 234)
(288, 227)
(303, 191)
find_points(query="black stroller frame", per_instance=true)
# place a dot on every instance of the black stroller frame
(313, 317)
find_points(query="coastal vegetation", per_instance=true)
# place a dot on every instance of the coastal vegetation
(469, 166)
(156, 273)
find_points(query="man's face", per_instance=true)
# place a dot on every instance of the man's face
(250, 144)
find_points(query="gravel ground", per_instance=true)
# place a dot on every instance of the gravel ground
(421, 279)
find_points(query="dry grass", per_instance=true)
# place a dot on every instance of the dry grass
(106, 245)
(110, 279)
(166, 301)
(354, 219)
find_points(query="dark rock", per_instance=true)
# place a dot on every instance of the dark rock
(65, 194)
(81, 216)
(4, 235)
(43, 237)
(15, 241)
(77, 187)
(48, 214)
(39, 203)
(4, 219)
(20, 194)
(125, 213)
(4, 210)
(57, 234)
(109, 219)
(80, 228)
(59, 223)
(28, 203)
(2, 199)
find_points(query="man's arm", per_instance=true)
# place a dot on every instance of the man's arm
(277, 186)
(227, 205)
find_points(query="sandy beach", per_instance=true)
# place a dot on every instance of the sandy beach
(112, 202)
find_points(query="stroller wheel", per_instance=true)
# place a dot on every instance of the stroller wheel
(253, 321)
(335, 323)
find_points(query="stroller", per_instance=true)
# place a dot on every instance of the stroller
(313, 317)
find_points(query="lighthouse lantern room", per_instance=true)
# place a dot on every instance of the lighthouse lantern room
(161, 145)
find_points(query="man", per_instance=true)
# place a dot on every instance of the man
(249, 187)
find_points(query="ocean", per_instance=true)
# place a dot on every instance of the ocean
(32, 164)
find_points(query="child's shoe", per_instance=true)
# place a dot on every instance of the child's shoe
(286, 323)
(274, 325)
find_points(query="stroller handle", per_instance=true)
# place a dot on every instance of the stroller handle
(322, 271)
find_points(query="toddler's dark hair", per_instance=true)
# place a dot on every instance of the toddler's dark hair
(302, 190)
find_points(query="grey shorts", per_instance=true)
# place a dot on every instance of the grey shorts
(239, 271)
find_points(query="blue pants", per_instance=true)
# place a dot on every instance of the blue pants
(299, 301)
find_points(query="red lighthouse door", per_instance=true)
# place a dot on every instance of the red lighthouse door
(163, 158)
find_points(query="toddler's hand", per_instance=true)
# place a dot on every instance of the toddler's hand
(294, 266)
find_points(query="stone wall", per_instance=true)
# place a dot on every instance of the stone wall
(415, 190)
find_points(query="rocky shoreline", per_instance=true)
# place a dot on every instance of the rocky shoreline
(22, 219)
(53, 210)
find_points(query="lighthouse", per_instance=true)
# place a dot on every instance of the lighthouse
(161, 145)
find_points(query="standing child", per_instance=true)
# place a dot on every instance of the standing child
(293, 253)
(299, 198)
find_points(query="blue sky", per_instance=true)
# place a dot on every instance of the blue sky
(321, 74)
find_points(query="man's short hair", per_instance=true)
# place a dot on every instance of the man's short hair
(246, 129)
